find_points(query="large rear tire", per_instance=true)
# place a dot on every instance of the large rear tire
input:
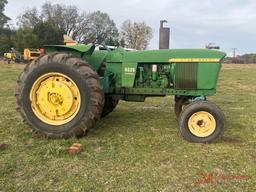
(59, 96)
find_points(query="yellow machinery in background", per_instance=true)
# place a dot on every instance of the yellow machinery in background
(10, 56)
(31, 54)
(13, 56)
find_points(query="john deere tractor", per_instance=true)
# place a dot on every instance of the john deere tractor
(64, 92)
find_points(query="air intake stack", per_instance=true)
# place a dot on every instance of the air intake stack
(164, 36)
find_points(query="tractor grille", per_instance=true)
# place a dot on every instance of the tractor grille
(186, 76)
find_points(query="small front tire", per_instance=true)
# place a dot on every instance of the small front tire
(202, 122)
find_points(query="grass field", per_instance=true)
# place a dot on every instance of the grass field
(136, 148)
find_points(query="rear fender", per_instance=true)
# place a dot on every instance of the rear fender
(78, 50)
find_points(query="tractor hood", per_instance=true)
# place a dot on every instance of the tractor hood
(175, 55)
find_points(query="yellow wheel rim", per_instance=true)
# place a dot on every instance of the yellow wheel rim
(202, 124)
(55, 98)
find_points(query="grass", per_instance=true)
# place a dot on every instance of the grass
(136, 148)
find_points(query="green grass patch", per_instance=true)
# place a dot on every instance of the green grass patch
(135, 148)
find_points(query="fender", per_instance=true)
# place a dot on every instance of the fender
(78, 50)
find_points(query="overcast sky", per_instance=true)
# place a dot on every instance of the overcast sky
(194, 23)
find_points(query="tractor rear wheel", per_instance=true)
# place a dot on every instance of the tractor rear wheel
(202, 122)
(180, 103)
(59, 96)
(109, 105)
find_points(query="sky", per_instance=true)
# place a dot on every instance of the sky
(194, 23)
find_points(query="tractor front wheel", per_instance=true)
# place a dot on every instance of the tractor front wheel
(201, 122)
(59, 96)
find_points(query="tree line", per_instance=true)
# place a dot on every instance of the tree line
(47, 25)
(242, 59)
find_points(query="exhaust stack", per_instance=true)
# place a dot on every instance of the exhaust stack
(164, 36)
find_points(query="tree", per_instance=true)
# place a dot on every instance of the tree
(136, 35)
(5, 31)
(97, 27)
(47, 33)
(44, 33)
(64, 17)
(122, 42)
(29, 18)
(3, 18)
(5, 40)
(24, 38)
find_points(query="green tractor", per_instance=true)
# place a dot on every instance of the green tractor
(64, 92)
